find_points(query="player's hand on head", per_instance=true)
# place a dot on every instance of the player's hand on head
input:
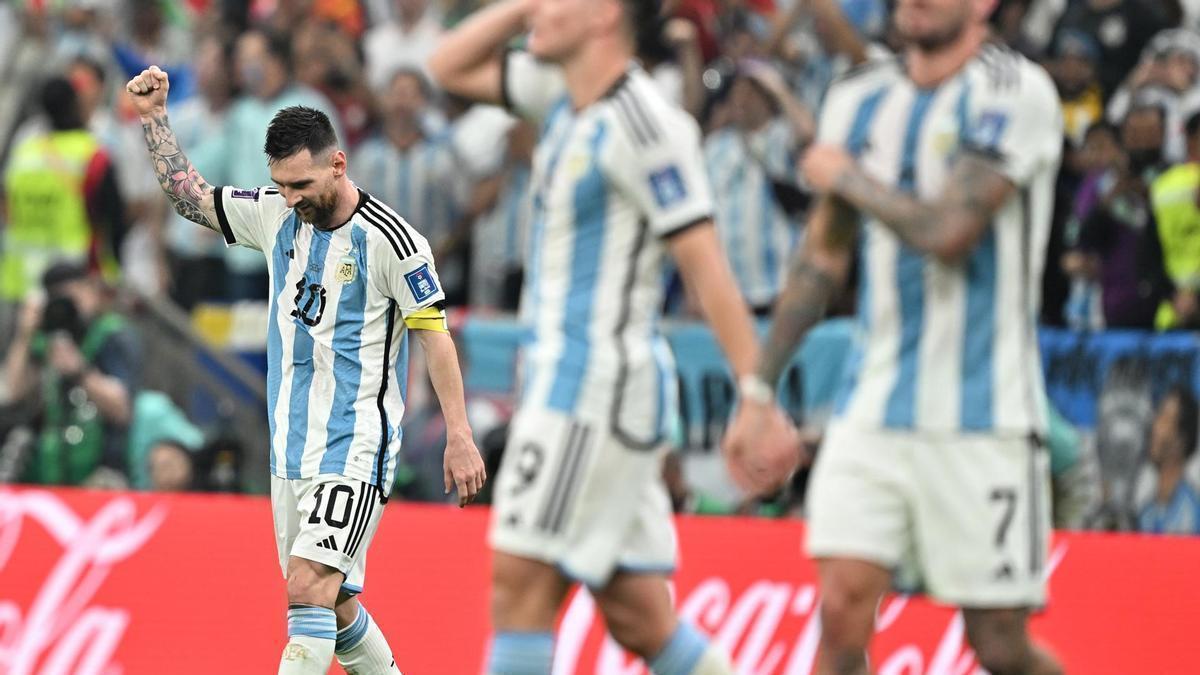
(462, 468)
(148, 90)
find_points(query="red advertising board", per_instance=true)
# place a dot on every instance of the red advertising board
(116, 583)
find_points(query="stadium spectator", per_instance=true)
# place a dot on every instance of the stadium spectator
(1175, 508)
(1074, 71)
(819, 40)
(414, 168)
(404, 41)
(263, 63)
(1098, 162)
(1168, 75)
(80, 360)
(63, 196)
(1175, 196)
(751, 163)
(328, 61)
(498, 238)
(197, 255)
(153, 38)
(171, 467)
(1121, 27)
(1118, 240)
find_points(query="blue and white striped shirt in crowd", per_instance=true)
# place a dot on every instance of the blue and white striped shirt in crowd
(758, 236)
(950, 346)
(423, 181)
(499, 238)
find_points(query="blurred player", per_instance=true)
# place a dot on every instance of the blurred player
(935, 452)
(349, 278)
(618, 181)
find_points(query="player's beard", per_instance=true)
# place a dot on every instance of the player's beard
(319, 211)
(937, 40)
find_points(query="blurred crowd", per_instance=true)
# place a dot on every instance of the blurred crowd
(78, 185)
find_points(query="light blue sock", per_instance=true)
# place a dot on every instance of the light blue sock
(521, 654)
(312, 621)
(349, 637)
(681, 653)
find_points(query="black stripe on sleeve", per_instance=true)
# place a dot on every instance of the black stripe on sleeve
(680, 229)
(640, 110)
(222, 219)
(631, 121)
(505, 99)
(386, 212)
(387, 234)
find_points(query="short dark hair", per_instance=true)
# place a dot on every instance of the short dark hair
(643, 18)
(1187, 424)
(297, 128)
(1193, 124)
(279, 45)
(415, 74)
(60, 103)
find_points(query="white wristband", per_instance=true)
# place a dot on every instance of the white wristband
(753, 388)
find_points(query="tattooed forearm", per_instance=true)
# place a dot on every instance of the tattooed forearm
(189, 193)
(800, 307)
(948, 227)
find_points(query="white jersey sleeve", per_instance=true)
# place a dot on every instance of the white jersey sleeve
(661, 168)
(529, 87)
(409, 278)
(249, 217)
(1017, 122)
(848, 95)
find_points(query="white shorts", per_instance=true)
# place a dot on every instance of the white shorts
(327, 519)
(966, 518)
(572, 495)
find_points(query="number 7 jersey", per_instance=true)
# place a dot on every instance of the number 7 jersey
(337, 355)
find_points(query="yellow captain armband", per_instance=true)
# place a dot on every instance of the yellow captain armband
(431, 318)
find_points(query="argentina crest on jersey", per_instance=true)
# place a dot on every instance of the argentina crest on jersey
(346, 270)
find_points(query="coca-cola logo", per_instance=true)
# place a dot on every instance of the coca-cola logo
(770, 627)
(62, 631)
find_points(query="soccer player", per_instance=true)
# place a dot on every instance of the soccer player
(349, 280)
(935, 455)
(618, 182)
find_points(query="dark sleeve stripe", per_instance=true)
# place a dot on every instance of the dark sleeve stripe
(641, 111)
(707, 218)
(505, 100)
(626, 116)
(385, 212)
(387, 234)
(222, 219)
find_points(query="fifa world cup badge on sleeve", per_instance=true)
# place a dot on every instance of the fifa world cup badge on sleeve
(668, 186)
(421, 283)
(345, 270)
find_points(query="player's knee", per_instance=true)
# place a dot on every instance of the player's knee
(633, 629)
(1000, 642)
(312, 583)
(847, 613)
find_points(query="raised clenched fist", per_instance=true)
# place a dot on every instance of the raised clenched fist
(149, 91)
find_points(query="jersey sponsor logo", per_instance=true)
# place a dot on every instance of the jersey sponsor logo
(668, 186)
(245, 194)
(421, 283)
(346, 270)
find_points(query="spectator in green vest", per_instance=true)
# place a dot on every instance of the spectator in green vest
(79, 362)
(1175, 197)
(63, 202)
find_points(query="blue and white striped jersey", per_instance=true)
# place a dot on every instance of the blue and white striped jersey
(424, 182)
(950, 347)
(609, 183)
(337, 352)
(758, 236)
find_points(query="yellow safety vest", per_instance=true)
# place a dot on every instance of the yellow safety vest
(47, 208)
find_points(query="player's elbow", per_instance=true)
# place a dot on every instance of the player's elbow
(446, 68)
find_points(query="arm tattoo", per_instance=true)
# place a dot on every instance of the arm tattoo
(800, 307)
(184, 186)
(974, 191)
